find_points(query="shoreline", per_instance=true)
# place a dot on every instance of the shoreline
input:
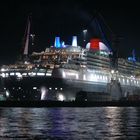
(69, 104)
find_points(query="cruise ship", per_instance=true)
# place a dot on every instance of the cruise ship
(71, 72)
(68, 72)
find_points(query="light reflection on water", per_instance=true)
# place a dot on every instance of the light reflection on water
(70, 123)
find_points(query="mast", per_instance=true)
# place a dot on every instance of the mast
(27, 33)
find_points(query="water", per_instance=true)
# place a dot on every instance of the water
(70, 123)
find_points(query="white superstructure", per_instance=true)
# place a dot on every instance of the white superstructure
(91, 70)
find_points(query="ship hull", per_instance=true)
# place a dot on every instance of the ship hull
(50, 88)
(56, 87)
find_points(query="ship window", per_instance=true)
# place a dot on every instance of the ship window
(103, 78)
(84, 77)
(119, 79)
(124, 81)
(131, 81)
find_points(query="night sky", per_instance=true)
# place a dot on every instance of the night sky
(66, 18)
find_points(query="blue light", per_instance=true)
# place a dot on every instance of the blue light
(63, 44)
(74, 41)
(131, 59)
(57, 43)
(134, 55)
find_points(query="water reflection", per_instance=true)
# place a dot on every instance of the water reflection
(70, 123)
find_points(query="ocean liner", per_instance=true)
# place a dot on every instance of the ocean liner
(71, 72)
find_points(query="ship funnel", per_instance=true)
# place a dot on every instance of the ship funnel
(74, 41)
(57, 43)
(94, 44)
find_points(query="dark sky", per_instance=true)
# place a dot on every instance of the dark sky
(66, 18)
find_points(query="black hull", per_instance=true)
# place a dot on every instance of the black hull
(30, 88)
